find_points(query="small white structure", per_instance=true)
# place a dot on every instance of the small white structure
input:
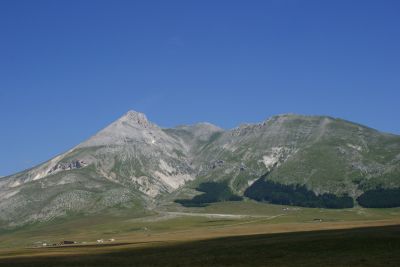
(100, 241)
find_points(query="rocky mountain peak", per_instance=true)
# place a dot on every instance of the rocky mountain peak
(132, 125)
(135, 118)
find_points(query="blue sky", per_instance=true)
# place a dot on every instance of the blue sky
(69, 68)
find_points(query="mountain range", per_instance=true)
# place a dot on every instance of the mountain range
(312, 161)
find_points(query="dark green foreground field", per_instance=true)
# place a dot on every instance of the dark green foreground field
(373, 246)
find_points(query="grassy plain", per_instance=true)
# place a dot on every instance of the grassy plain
(222, 234)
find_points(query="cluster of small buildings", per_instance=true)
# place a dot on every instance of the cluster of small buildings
(69, 242)
(108, 240)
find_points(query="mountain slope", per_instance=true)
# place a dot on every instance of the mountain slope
(134, 164)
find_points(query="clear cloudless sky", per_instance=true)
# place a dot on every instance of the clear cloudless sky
(69, 68)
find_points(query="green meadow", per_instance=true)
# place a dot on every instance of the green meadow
(234, 233)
